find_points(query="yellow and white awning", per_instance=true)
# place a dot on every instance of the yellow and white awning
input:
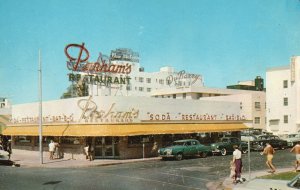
(122, 129)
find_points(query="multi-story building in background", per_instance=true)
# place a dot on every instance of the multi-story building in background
(5, 113)
(137, 82)
(283, 98)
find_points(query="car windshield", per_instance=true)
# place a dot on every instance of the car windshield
(178, 143)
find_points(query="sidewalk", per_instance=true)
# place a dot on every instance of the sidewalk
(226, 184)
(26, 158)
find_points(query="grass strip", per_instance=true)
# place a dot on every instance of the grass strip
(280, 176)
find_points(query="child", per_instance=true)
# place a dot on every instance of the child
(232, 170)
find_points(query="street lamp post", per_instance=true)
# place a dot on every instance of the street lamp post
(40, 110)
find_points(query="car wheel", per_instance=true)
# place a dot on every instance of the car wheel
(203, 154)
(179, 156)
(223, 151)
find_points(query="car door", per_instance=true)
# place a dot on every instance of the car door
(187, 148)
(194, 149)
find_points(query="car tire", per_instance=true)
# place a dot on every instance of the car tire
(223, 152)
(179, 156)
(203, 154)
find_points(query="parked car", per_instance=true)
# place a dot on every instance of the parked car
(292, 139)
(225, 145)
(274, 140)
(182, 148)
(268, 184)
(245, 138)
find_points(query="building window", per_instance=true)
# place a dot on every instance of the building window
(148, 89)
(138, 140)
(285, 102)
(148, 80)
(141, 79)
(285, 84)
(257, 120)
(257, 105)
(285, 119)
(23, 139)
(161, 81)
(71, 140)
(184, 95)
(141, 89)
(174, 96)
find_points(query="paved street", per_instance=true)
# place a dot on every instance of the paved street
(192, 173)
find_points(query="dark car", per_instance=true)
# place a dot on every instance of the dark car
(225, 145)
(273, 140)
(183, 148)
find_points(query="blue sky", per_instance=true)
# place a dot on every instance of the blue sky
(224, 40)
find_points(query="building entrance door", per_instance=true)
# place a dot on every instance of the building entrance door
(105, 147)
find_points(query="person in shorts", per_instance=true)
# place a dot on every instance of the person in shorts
(296, 150)
(269, 152)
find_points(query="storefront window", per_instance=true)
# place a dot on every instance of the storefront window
(138, 140)
(71, 140)
(23, 139)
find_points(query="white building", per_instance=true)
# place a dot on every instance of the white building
(283, 98)
(136, 82)
(5, 113)
(167, 83)
(252, 103)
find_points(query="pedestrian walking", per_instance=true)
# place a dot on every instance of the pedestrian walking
(9, 149)
(296, 150)
(237, 160)
(57, 150)
(86, 151)
(269, 152)
(91, 152)
(51, 149)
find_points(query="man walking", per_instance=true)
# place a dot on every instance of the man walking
(51, 149)
(296, 150)
(269, 151)
(237, 160)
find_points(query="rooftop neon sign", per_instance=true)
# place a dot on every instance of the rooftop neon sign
(81, 63)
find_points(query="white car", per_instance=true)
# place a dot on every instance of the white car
(270, 184)
(4, 155)
(292, 139)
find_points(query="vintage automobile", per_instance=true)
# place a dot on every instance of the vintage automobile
(267, 184)
(182, 148)
(292, 139)
(274, 140)
(247, 138)
(225, 145)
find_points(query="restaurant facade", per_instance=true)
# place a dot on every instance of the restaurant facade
(121, 127)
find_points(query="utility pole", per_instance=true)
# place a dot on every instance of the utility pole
(40, 110)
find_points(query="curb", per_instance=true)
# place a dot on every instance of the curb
(226, 183)
(79, 164)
